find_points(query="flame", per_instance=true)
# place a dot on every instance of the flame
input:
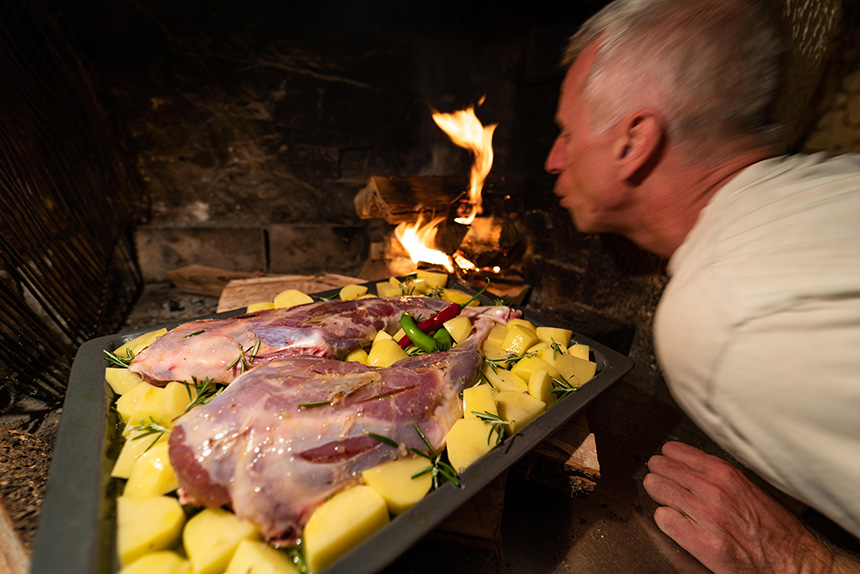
(417, 240)
(465, 129)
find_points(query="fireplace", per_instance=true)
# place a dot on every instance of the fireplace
(252, 129)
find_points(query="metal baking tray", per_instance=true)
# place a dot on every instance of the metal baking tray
(76, 533)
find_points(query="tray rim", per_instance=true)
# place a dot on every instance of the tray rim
(80, 494)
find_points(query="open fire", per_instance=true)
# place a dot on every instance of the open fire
(483, 242)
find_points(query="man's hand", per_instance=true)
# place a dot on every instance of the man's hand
(728, 523)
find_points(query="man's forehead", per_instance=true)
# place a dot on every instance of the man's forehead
(574, 79)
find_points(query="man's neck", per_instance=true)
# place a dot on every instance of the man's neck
(677, 194)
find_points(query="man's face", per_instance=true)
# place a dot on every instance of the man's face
(583, 160)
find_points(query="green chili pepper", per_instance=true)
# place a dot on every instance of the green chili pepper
(443, 339)
(421, 340)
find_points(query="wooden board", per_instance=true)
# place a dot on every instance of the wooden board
(242, 292)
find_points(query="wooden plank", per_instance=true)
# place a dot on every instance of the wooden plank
(398, 199)
(205, 280)
(239, 293)
(14, 558)
(567, 461)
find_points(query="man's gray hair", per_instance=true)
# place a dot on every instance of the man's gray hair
(709, 68)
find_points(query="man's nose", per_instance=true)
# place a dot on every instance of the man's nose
(554, 163)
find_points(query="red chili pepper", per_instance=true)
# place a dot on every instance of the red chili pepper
(434, 322)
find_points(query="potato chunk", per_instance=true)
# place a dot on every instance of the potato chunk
(135, 445)
(211, 537)
(503, 380)
(261, 306)
(341, 523)
(459, 327)
(387, 289)
(163, 562)
(540, 385)
(163, 405)
(393, 481)
(433, 279)
(479, 399)
(518, 408)
(138, 344)
(146, 525)
(121, 380)
(467, 441)
(291, 298)
(384, 352)
(359, 356)
(152, 474)
(555, 335)
(518, 340)
(525, 368)
(352, 292)
(256, 557)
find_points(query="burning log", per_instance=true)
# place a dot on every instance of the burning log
(404, 199)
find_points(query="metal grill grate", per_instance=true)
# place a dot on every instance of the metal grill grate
(68, 200)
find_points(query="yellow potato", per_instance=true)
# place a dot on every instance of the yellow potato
(457, 296)
(384, 353)
(518, 408)
(579, 350)
(152, 474)
(570, 367)
(522, 323)
(467, 441)
(503, 380)
(386, 289)
(393, 482)
(121, 380)
(163, 405)
(558, 335)
(358, 355)
(381, 335)
(492, 352)
(131, 450)
(255, 557)
(125, 405)
(261, 306)
(433, 279)
(341, 523)
(162, 562)
(518, 340)
(526, 367)
(351, 292)
(146, 525)
(211, 537)
(459, 328)
(479, 399)
(540, 384)
(496, 335)
(138, 344)
(291, 298)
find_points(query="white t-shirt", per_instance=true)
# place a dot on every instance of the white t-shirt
(758, 331)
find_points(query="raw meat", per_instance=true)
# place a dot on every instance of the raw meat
(257, 448)
(222, 349)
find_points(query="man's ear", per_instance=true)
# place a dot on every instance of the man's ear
(638, 145)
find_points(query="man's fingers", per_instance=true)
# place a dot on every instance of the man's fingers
(667, 492)
(691, 456)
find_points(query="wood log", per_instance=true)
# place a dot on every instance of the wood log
(398, 199)
(567, 461)
(205, 280)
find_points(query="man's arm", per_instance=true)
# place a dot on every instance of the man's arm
(728, 523)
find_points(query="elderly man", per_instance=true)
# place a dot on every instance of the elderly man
(666, 139)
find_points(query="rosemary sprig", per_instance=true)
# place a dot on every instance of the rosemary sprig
(328, 298)
(437, 466)
(195, 333)
(119, 361)
(148, 429)
(203, 392)
(496, 422)
(556, 348)
(383, 439)
(314, 404)
(244, 361)
(436, 292)
(508, 361)
(504, 301)
(481, 375)
(562, 387)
